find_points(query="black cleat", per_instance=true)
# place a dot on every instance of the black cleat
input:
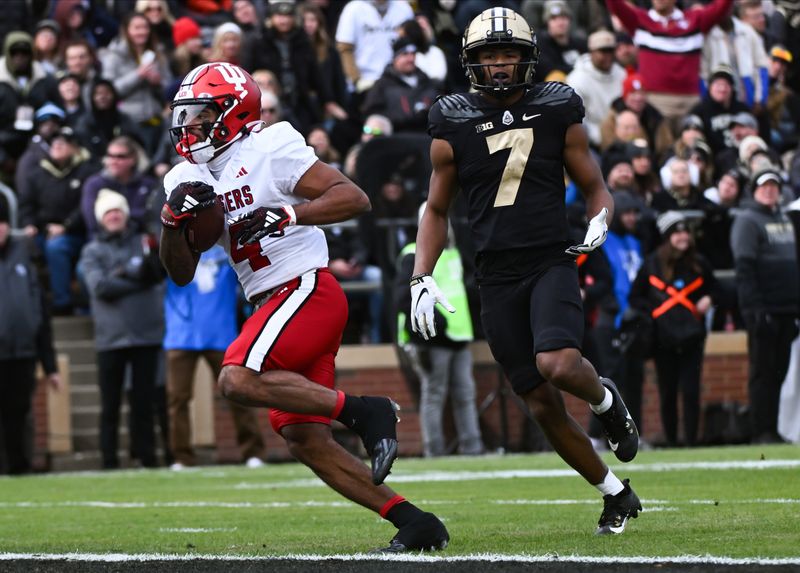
(617, 509)
(379, 435)
(619, 427)
(425, 533)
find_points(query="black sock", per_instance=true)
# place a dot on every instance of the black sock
(354, 411)
(403, 513)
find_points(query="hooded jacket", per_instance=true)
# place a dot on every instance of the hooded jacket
(405, 105)
(37, 89)
(598, 90)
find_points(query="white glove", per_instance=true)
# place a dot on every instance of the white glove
(424, 296)
(595, 235)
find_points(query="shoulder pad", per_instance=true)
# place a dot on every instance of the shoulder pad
(552, 93)
(458, 108)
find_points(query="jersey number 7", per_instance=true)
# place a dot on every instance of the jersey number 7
(521, 142)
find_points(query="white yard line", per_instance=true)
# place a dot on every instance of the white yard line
(446, 476)
(414, 558)
(196, 529)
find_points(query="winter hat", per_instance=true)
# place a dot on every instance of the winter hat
(746, 147)
(745, 119)
(184, 29)
(285, 7)
(553, 8)
(49, 24)
(671, 221)
(723, 71)
(402, 45)
(108, 199)
(227, 27)
(602, 40)
(692, 122)
(625, 201)
(634, 82)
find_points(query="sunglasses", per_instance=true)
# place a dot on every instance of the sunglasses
(118, 156)
(372, 130)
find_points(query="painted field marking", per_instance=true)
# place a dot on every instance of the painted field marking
(412, 558)
(446, 476)
(196, 529)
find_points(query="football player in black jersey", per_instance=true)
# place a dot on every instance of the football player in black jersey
(506, 146)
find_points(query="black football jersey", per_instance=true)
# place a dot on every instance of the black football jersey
(510, 162)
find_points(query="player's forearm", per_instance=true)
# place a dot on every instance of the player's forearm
(431, 240)
(340, 202)
(176, 256)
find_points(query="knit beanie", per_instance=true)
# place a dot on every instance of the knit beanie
(631, 83)
(184, 29)
(107, 200)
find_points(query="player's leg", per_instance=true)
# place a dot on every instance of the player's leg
(505, 312)
(288, 334)
(313, 445)
(557, 324)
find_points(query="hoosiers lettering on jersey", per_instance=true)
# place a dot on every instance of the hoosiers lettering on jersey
(266, 182)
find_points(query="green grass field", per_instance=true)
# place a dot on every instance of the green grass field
(739, 502)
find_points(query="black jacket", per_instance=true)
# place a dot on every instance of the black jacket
(24, 323)
(406, 106)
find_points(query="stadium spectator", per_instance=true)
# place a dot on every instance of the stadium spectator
(226, 45)
(124, 280)
(765, 255)
(271, 109)
(743, 126)
(25, 338)
(559, 48)
(597, 78)
(47, 120)
(330, 64)
(200, 324)
(626, 54)
(124, 172)
(691, 129)
(647, 181)
(188, 53)
(69, 88)
(443, 363)
(138, 69)
(51, 212)
(752, 12)
(669, 42)
(718, 107)
(81, 62)
(103, 121)
(286, 51)
(161, 21)
(246, 17)
(403, 93)
(783, 104)
(24, 87)
(429, 59)
(364, 36)
(374, 126)
(624, 128)
(320, 141)
(45, 46)
(676, 286)
(738, 45)
(634, 98)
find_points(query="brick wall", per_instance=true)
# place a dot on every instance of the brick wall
(374, 370)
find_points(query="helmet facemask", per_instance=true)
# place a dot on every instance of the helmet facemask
(187, 113)
(501, 28)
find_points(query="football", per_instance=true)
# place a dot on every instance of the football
(204, 229)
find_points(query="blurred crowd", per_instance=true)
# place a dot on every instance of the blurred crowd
(686, 128)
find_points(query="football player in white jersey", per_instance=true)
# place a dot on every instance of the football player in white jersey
(274, 192)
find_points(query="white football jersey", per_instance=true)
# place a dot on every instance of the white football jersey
(263, 172)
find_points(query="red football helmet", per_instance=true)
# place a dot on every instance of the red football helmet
(227, 90)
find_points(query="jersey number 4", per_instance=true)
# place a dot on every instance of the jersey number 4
(252, 252)
(521, 142)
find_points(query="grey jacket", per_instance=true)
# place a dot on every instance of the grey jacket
(24, 326)
(765, 255)
(137, 98)
(126, 288)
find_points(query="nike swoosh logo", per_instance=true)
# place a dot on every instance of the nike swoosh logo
(422, 292)
(526, 117)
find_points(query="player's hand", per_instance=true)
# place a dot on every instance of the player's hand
(595, 235)
(262, 222)
(186, 199)
(424, 296)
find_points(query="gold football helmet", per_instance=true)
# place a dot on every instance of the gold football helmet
(498, 27)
